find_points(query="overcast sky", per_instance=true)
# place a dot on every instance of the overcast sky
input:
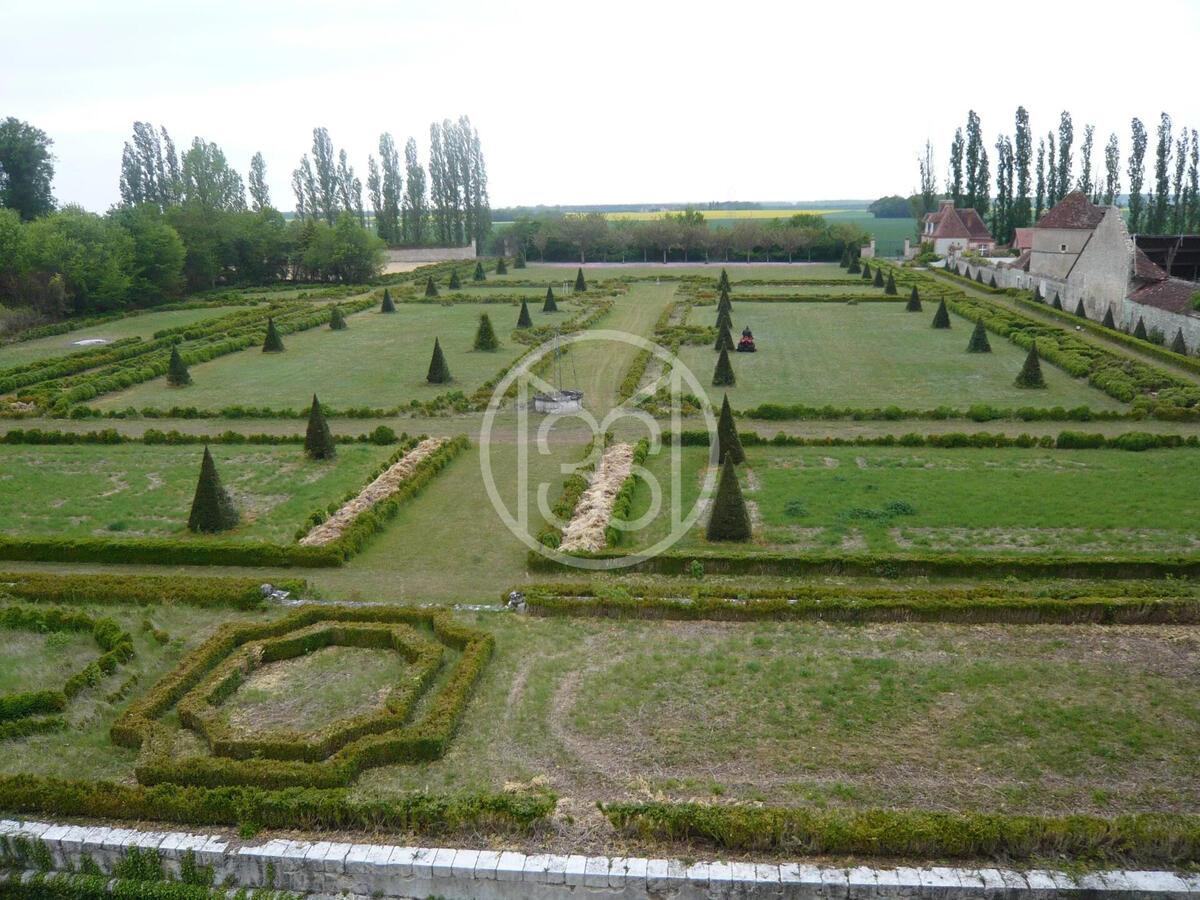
(608, 102)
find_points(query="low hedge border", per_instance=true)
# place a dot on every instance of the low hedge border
(153, 436)
(305, 809)
(117, 647)
(895, 565)
(978, 412)
(139, 726)
(203, 552)
(573, 487)
(1141, 838)
(144, 590)
(1135, 441)
(199, 708)
(848, 605)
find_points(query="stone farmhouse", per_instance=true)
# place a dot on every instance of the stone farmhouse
(1084, 252)
(953, 230)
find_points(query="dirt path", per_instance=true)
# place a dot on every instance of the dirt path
(1089, 337)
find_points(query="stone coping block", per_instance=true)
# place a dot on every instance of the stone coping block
(326, 870)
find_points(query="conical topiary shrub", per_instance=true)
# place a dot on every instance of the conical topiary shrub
(1139, 331)
(580, 284)
(724, 319)
(1030, 375)
(272, 343)
(485, 336)
(979, 276)
(845, 260)
(723, 281)
(519, 261)
(723, 374)
(1037, 294)
(1079, 309)
(1056, 303)
(866, 271)
(1179, 345)
(878, 282)
(387, 306)
(318, 442)
(941, 318)
(430, 287)
(914, 301)
(729, 445)
(979, 339)
(724, 303)
(501, 268)
(455, 282)
(992, 282)
(524, 320)
(550, 305)
(177, 372)
(856, 266)
(439, 371)
(1108, 319)
(729, 520)
(337, 319)
(212, 508)
(479, 275)
(724, 339)
(890, 287)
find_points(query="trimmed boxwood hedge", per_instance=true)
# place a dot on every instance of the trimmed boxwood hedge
(139, 726)
(1141, 838)
(239, 593)
(306, 809)
(116, 644)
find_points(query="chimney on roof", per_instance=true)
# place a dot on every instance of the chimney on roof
(942, 204)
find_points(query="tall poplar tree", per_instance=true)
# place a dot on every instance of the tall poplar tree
(1112, 170)
(955, 180)
(928, 184)
(389, 163)
(414, 207)
(260, 196)
(1157, 222)
(1053, 188)
(1085, 183)
(976, 185)
(1041, 180)
(1137, 174)
(1179, 203)
(1066, 137)
(1022, 158)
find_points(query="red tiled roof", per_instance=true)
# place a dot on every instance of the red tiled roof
(1073, 211)
(1145, 269)
(1171, 294)
(949, 222)
(1021, 262)
(975, 226)
(1023, 238)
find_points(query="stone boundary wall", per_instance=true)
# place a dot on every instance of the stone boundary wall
(327, 870)
(429, 254)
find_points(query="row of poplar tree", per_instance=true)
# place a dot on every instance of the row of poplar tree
(1024, 189)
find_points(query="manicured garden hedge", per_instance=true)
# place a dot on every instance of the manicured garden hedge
(306, 809)
(238, 593)
(427, 738)
(1146, 838)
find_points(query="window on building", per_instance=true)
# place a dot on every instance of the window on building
(1062, 248)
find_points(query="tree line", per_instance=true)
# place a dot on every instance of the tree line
(1025, 188)
(189, 222)
(682, 237)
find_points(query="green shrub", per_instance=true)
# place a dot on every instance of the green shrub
(723, 374)
(1080, 310)
(729, 519)
(177, 372)
(501, 268)
(212, 507)
(580, 283)
(439, 369)
(318, 441)
(1056, 303)
(485, 336)
(878, 280)
(1139, 331)
(455, 282)
(479, 274)
(337, 319)
(550, 306)
(272, 343)
(979, 339)
(1108, 319)
(430, 287)
(855, 265)
(914, 301)
(723, 281)
(941, 318)
(728, 445)
(890, 287)
(524, 320)
(1178, 345)
(724, 339)
(1030, 375)
(866, 271)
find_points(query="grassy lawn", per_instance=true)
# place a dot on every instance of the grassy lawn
(892, 499)
(380, 360)
(1038, 719)
(132, 490)
(41, 662)
(556, 273)
(874, 355)
(143, 325)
